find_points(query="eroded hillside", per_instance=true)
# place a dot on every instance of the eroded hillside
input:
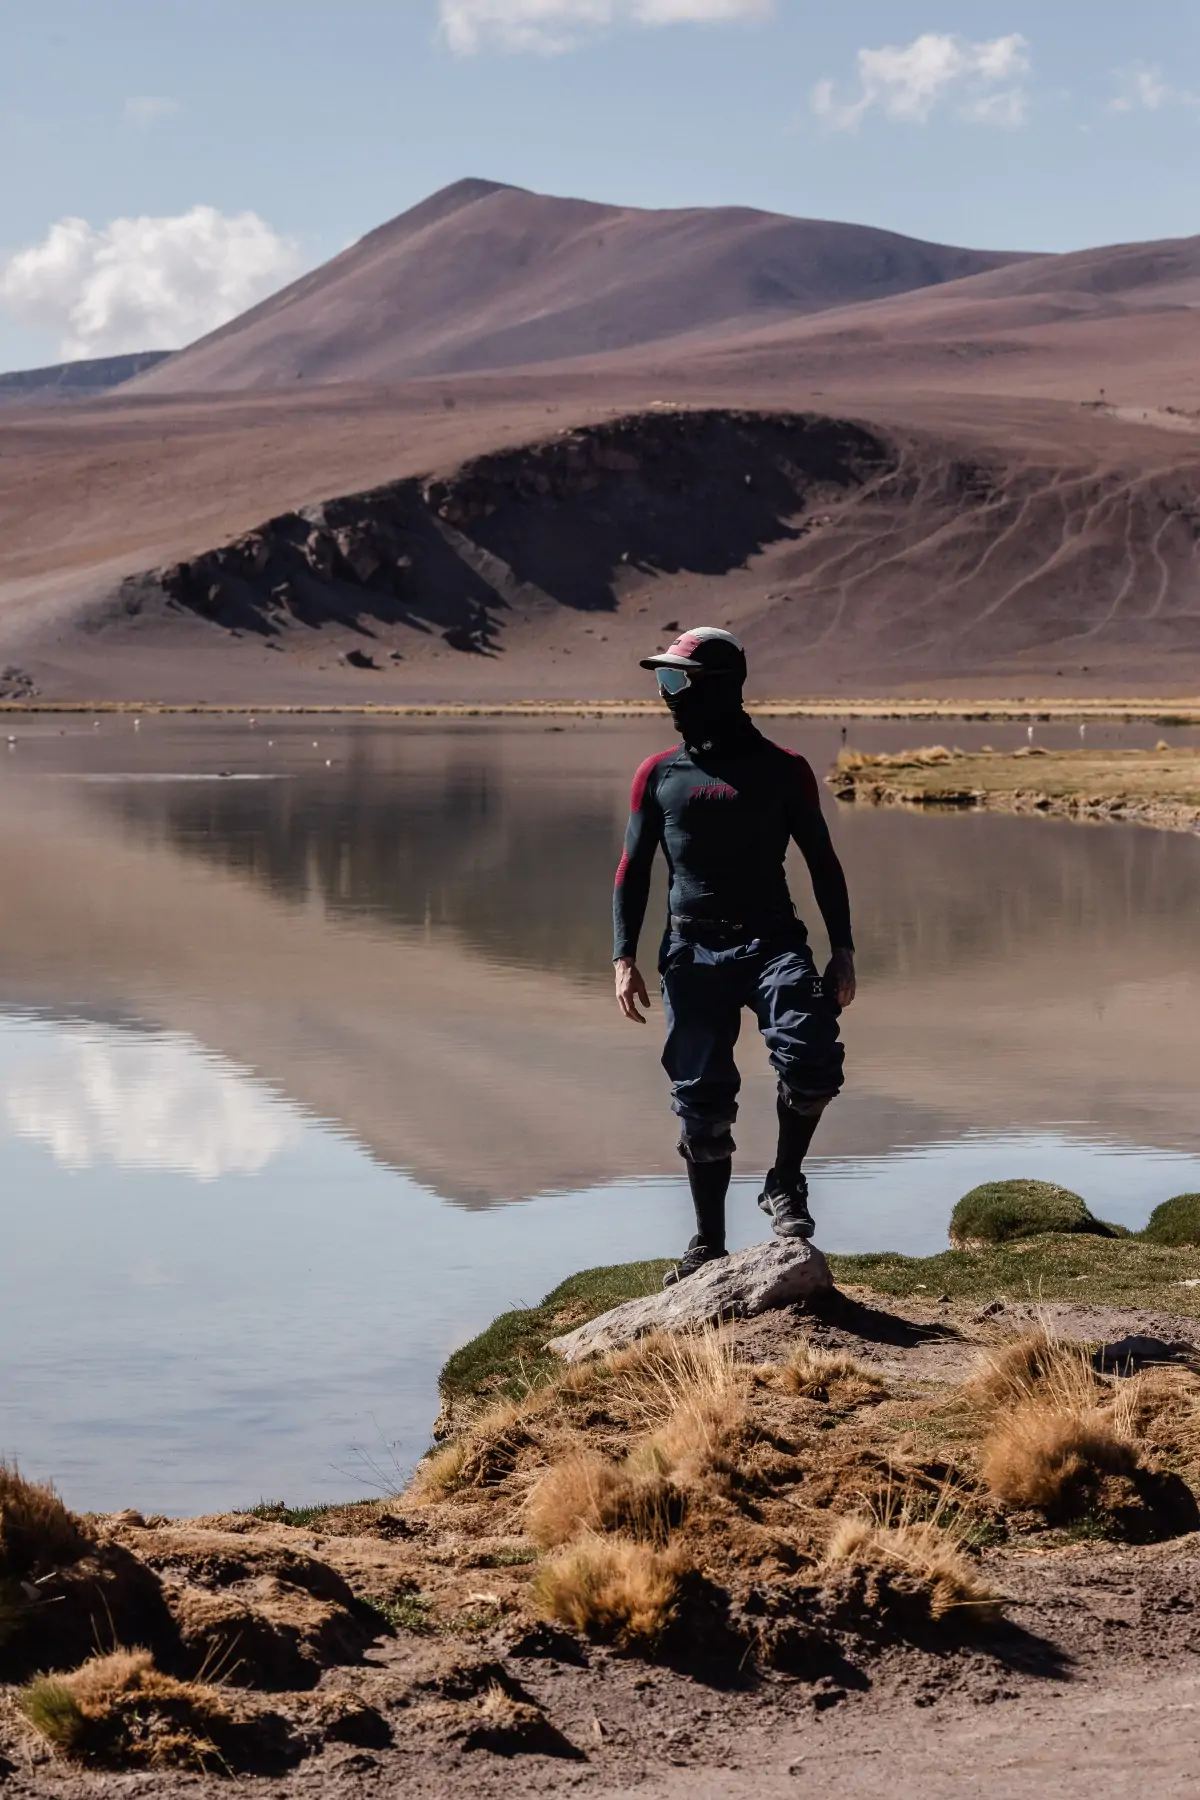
(841, 551)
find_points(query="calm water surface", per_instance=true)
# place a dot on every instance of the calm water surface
(309, 1067)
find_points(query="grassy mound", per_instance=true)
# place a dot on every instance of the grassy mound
(1000, 1211)
(510, 1356)
(1176, 1221)
(1119, 1271)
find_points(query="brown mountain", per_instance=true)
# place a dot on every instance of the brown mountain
(483, 276)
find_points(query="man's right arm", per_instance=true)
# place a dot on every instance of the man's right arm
(631, 890)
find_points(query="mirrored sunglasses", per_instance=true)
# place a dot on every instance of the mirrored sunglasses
(673, 681)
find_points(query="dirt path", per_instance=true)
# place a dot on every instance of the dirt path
(1133, 1736)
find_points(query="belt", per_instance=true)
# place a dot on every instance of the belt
(740, 928)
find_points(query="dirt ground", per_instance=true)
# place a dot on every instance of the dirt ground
(1088, 1685)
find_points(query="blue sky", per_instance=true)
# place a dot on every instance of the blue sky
(202, 151)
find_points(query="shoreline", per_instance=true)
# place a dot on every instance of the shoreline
(1158, 788)
(1180, 714)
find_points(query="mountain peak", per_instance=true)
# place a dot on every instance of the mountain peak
(485, 275)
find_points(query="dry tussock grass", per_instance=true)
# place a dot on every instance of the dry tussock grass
(815, 1374)
(36, 1530)
(687, 1398)
(689, 1387)
(588, 1493)
(483, 1456)
(928, 757)
(1037, 1365)
(921, 1552)
(1059, 1431)
(669, 1372)
(121, 1709)
(617, 1591)
(1163, 1408)
(1054, 1458)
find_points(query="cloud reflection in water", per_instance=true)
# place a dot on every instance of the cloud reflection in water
(100, 1095)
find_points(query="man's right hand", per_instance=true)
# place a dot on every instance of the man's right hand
(630, 989)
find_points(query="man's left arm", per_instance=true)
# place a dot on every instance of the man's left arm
(810, 833)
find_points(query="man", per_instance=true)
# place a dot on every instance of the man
(724, 807)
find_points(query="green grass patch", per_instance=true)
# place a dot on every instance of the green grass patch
(1122, 1271)
(514, 1558)
(510, 1356)
(411, 1612)
(998, 1211)
(276, 1512)
(1176, 1221)
(52, 1709)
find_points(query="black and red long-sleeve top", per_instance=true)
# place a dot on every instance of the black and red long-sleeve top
(724, 817)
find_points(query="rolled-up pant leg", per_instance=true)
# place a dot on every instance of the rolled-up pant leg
(702, 1001)
(799, 1024)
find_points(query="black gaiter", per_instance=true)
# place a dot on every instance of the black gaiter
(710, 708)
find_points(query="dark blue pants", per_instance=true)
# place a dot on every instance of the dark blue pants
(705, 985)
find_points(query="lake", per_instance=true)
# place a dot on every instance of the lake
(309, 1065)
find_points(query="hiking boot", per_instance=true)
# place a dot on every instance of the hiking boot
(787, 1207)
(697, 1256)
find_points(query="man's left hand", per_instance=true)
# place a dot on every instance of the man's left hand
(840, 979)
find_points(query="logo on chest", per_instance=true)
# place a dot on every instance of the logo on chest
(713, 790)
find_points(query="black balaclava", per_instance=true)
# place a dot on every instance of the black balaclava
(709, 709)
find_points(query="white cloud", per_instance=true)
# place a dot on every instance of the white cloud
(145, 284)
(1147, 90)
(550, 26)
(106, 1096)
(907, 83)
(144, 110)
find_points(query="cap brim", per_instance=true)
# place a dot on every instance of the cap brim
(667, 661)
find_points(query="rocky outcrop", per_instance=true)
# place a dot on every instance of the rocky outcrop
(737, 1287)
(570, 520)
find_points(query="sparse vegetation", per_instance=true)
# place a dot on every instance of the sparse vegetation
(925, 1557)
(830, 1375)
(36, 1530)
(1065, 1441)
(1036, 1365)
(610, 1589)
(121, 1710)
(588, 1493)
(405, 1612)
(1120, 1271)
(1158, 787)
(277, 1512)
(1055, 1458)
(756, 1494)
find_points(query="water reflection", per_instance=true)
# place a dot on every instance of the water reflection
(93, 1094)
(275, 1053)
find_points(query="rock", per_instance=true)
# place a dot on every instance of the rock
(737, 1287)
(320, 552)
(358, 551)
(252, 553)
